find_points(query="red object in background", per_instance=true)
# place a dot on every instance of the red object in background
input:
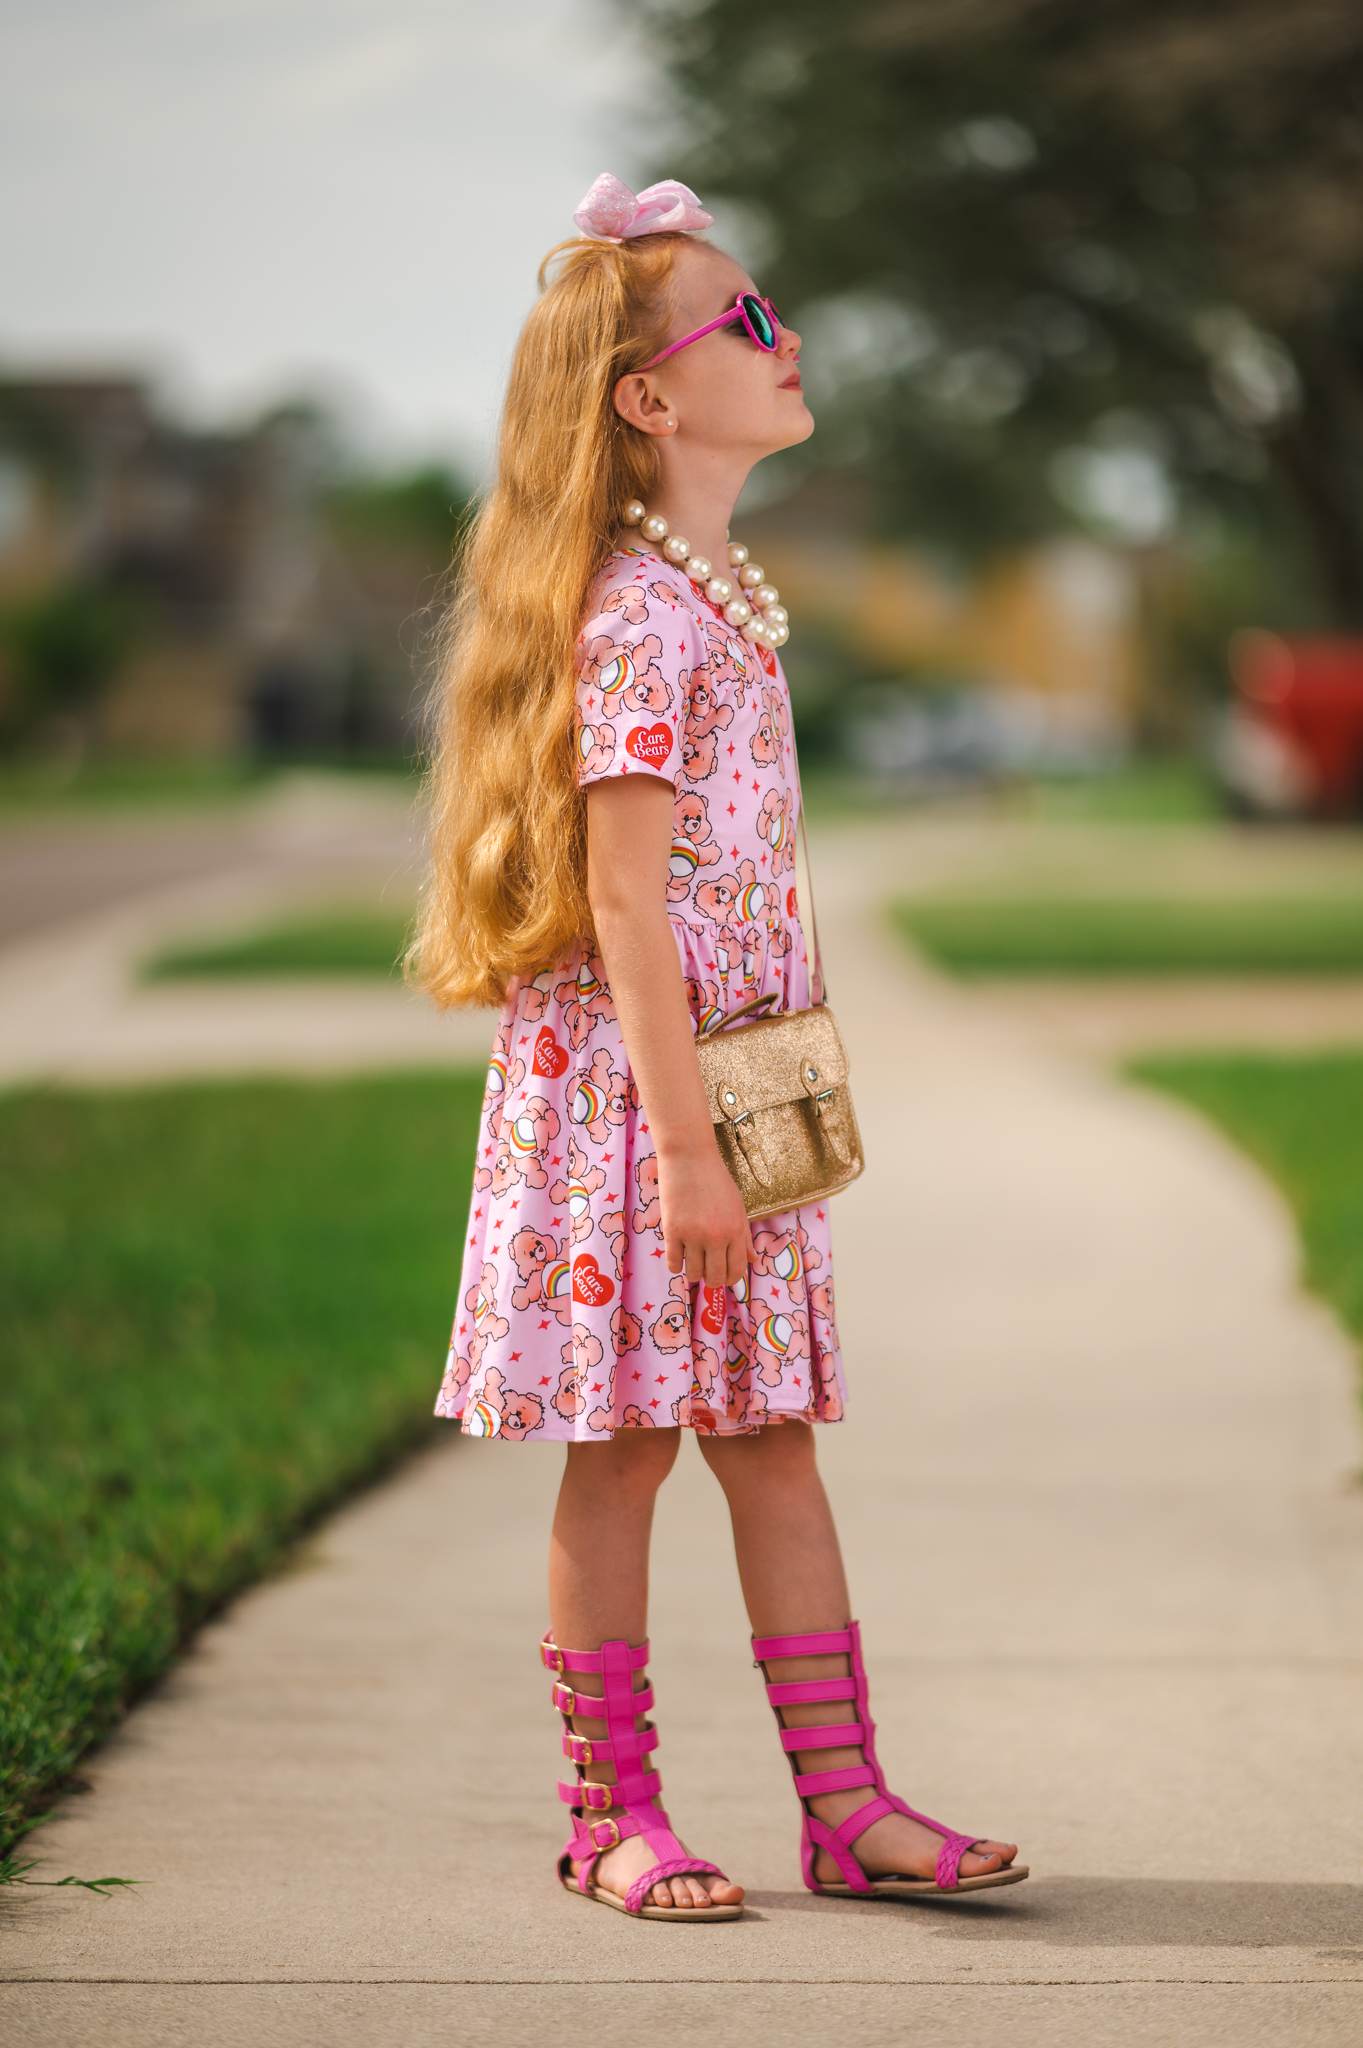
(1296, 743)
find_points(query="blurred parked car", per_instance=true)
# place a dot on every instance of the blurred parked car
(970, 736)
(1290, 744)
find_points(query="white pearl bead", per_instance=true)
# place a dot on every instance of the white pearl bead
(749, 602)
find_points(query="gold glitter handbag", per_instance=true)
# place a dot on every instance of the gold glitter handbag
(779, 1098)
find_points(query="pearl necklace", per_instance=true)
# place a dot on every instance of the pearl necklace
(772, 629)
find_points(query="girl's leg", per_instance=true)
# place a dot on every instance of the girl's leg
(790, 1568)
(598, 1588)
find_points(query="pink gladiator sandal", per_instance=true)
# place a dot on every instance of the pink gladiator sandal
(816, 1833)
(634, 1800)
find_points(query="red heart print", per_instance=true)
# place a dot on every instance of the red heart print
(590, 1284)
(550, 1058)
(651, 743)
(712, 1315)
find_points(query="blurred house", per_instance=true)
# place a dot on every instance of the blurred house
(265, 628)
(1060, 623)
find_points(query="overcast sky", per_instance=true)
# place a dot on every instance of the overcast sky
(239, 197)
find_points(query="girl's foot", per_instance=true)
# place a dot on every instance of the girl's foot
(894, 1843)
(618, 1868)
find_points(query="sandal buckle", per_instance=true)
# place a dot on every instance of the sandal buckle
(582, 1749)
(551, 1656)
(556, 1701)
(591, 1785)
(613, 1825)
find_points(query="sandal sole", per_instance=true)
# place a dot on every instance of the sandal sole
(926, 1887)
(604, 1897)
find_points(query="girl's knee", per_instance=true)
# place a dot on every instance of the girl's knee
(639, 1458)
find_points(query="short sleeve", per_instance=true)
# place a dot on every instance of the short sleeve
(636, 655)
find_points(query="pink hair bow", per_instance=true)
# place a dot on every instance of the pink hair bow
(609, 209)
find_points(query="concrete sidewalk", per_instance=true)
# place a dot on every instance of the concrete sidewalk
(1099, 1493)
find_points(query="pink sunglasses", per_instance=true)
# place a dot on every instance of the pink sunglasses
(759, 316)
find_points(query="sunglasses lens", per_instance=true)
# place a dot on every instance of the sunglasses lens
(761, 325)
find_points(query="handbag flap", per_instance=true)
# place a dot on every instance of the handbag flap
(762, 1058)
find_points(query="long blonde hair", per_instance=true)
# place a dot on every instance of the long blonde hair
(505, 891)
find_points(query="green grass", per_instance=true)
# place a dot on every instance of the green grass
(225, 1306)
(1300, 1117)
(346, 941)
(1002, 935)
(34, 785)
(1153, 792)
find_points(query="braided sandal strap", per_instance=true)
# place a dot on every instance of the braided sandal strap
(677, 1867)
(949, 1859)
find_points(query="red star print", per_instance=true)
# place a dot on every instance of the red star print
(654, 1402)
(544, 1379)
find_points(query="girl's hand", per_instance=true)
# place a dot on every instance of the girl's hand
(705, 1226)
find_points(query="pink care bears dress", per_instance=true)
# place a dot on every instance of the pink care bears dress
(568, 1325)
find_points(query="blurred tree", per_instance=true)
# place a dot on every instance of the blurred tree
(59, 650)
(1013, 232)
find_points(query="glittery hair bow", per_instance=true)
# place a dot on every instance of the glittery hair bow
(610, 210)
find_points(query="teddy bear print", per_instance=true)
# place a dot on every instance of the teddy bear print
(776, 823)
(481, 1324)
(693, 846)
(584, 1000)
(671, 1331)
(585, 1180)
(785, 1255)
(615, 1230)
(568, 1400)
(648, 1207)
(628, 678)
(517, 1413)
(602, 1097)
(530, 1252)
(731, 669)
(528, 1131)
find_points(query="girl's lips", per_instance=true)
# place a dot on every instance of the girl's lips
(790, 384)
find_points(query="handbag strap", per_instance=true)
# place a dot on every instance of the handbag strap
(809, 871)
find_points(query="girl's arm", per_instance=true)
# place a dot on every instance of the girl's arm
(629, 837)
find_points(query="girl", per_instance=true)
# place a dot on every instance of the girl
(614, 799)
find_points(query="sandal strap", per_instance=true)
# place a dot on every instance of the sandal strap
(821, 1642)
(795, 1692)
(602, 1798)
(569, 1701)
(836, 1781)
(829, 1735)
(674, 1866)
(556, 1659)
(590, 1749)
